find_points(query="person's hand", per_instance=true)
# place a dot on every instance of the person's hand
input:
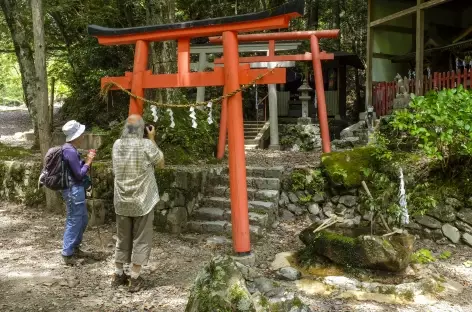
(151, 132)
(91, 155)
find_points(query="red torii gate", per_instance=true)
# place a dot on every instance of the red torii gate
(316, 57)
(231, 76)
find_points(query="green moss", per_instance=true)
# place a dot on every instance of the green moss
(311, 181)
(296, 302)
(164, 178)
(445, 255)
(10, 152)
(346, 168)
(408, 295)
(388, 290)
(422, 256)
(264, 302)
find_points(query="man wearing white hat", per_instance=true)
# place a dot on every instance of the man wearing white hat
(74, 195)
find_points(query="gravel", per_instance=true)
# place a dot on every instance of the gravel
(34, 279)
(15, 122)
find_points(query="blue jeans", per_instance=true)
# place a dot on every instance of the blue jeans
(77, 218)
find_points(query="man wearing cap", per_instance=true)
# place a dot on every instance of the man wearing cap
(74, 195)
(135, 196)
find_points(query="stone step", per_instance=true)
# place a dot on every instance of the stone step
(252, 194)
(218, 214)
(250, 134)
(219, 227)
(252, 182)
(254, 126)
(225, 203)
(261, 172)
(247, 141)
(251, 147)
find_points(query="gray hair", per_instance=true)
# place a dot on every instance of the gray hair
(134, 127)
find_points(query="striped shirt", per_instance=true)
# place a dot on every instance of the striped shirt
(135, 184)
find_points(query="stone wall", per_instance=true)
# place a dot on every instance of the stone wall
(449, 222)
(180, 189)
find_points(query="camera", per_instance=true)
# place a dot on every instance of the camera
(146, 131)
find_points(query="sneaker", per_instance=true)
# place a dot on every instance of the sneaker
(119, 280)
(68, 260)
(136, 284)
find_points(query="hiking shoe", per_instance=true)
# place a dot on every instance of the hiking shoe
(68, 260)
(79, 253)
(136, 284)
(119, 280)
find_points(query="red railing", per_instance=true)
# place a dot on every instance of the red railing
(384, 93)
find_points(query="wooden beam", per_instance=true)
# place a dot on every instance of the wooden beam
(279, 58)
(463, 35)
(423, 6)
(369, 57)
(396, 29)
(384, 56)
(201, 79)
(419, 48)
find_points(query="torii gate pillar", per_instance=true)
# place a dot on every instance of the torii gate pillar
(237, 157)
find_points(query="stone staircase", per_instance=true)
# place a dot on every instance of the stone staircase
(254, 134)
(214, 214)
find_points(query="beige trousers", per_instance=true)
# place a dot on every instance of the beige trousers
(134, 238)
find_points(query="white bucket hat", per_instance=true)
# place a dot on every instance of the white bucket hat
(72, 129)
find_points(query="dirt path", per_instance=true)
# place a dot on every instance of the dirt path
(32, 277)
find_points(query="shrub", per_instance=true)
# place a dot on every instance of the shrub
(439, 123)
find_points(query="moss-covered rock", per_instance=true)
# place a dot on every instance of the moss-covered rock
(365, 251)
(220, 287)
(347, 168)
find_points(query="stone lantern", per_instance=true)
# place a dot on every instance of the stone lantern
(306, 99)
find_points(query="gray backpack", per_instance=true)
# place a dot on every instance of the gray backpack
(54, 174)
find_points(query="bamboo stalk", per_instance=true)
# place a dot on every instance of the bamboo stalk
(381, 216)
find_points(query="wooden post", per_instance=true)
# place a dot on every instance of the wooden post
(140, 66)
(237, 157)
(419, 48)
(369, 56)
(220, 153)
(320, 94)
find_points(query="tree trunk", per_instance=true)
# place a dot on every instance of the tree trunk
(337, 22)
(40, 100)
(163, 54)
(24, 55)
(315, 15)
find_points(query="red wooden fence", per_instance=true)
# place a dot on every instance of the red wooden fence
(383, 93)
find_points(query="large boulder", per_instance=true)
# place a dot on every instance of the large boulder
(444, 213)
(371, 252)
(220, 286)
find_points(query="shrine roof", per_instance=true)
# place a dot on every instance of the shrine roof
(295, 7)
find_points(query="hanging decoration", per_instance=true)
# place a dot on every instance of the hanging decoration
(404, 218)
(171, 115)
(154, 112)
(193, 117)
(210, 113)
(429, 72)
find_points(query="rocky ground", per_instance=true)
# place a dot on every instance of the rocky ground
(32, 277)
